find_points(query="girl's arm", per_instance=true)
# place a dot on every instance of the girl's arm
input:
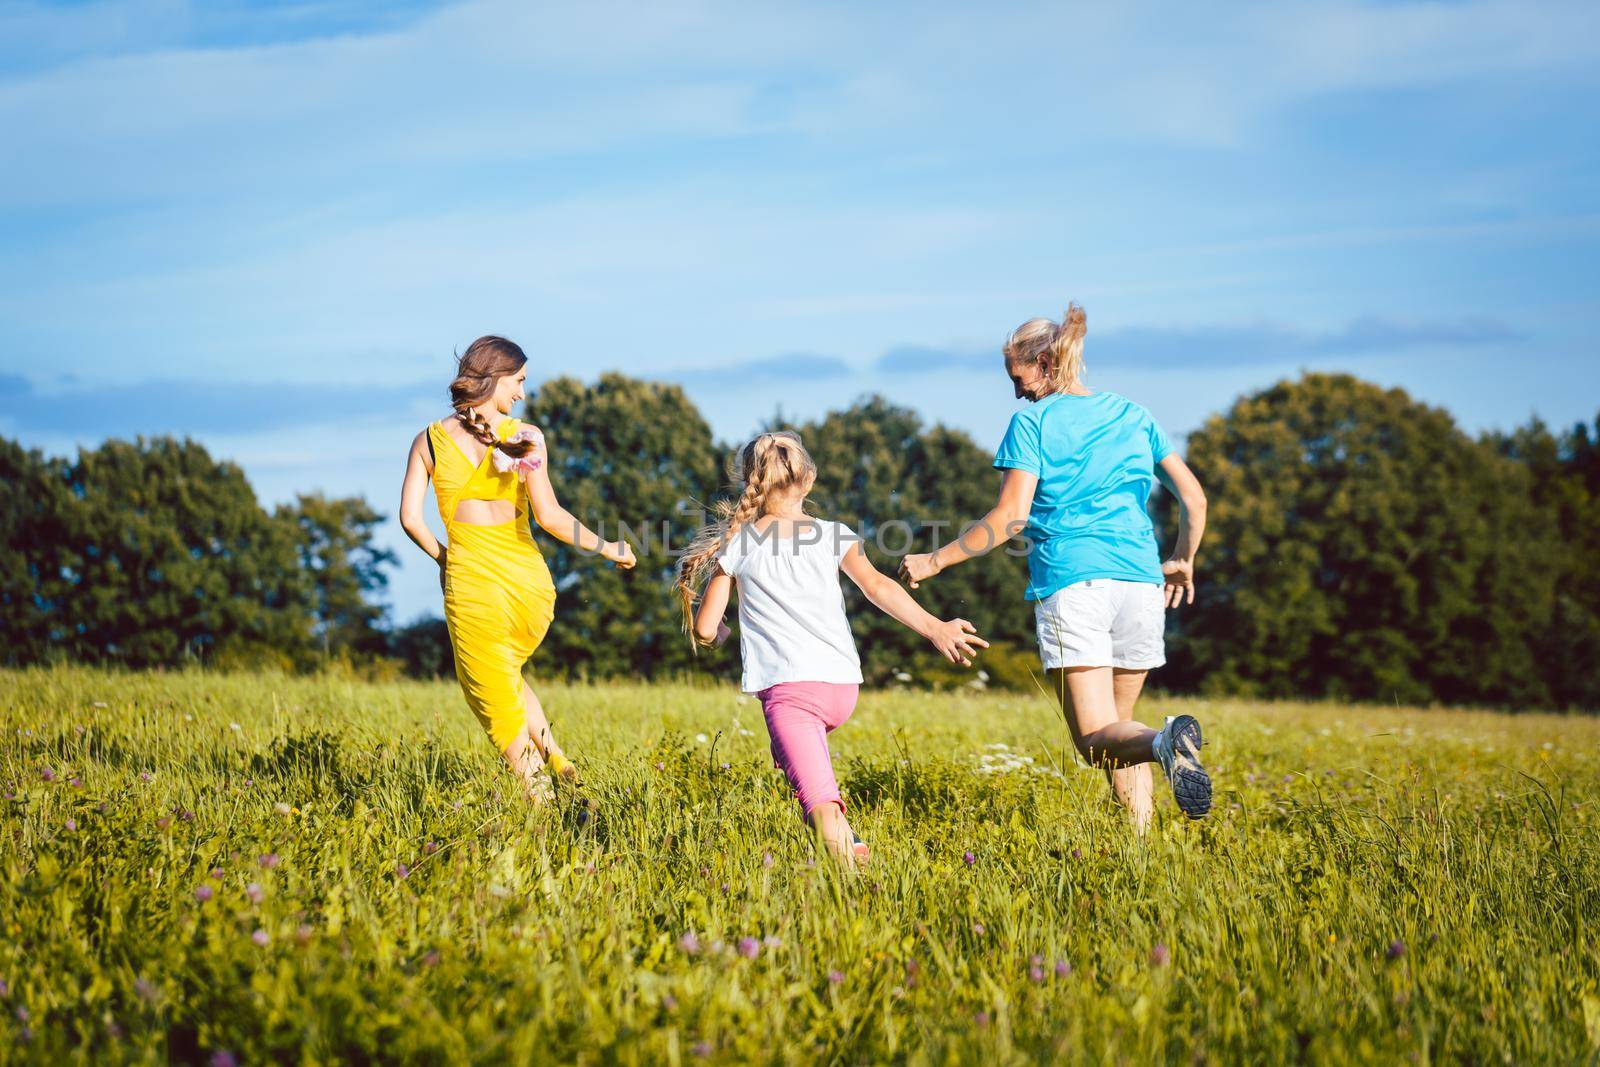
(412, 491)
(1179, 567)
(709, 628)
(1004, 521)
(957, 640)
(560, 523)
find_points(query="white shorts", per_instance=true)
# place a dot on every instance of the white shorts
(1102, 622)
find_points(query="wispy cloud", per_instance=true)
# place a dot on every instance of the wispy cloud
(1228, 345)
(761, 373)
(206, 408)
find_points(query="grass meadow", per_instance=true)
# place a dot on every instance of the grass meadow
(253, 868)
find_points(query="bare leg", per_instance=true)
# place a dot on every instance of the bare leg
(1097, 703)
(538, 726)
(834, 830)
(523, 756)
(1132, 785)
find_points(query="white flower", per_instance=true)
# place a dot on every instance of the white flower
(901, 676)
(702, 738)
(235, 727)
(531, 461)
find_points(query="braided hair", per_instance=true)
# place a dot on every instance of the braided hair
(478, 370)
(769, 464)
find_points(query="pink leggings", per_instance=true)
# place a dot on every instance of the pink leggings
(800, 716)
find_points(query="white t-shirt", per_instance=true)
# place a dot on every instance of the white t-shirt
(792, 626)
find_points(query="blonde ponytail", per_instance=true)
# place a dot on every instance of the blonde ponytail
(769, 464)
(1062, 341)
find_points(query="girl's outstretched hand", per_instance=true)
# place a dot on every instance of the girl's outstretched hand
(917, 567)
(957, 641)
(621, 553)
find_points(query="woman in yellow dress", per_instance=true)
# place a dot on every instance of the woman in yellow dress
(489, 470)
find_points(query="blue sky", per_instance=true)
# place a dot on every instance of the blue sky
(268, 226)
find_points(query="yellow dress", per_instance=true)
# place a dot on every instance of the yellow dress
(498, 597)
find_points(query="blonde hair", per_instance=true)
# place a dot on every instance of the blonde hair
(1062, 341)
(769, 464)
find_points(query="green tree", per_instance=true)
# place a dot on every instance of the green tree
(633, 452)
(1361, 546)
(881, 471)
(36, 561)
(345, 569)
(175, 558)
(1566, 487)
(424, 647)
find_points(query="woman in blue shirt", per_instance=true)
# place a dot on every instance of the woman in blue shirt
(1079, 467)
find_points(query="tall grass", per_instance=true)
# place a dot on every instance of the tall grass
(1374, 884)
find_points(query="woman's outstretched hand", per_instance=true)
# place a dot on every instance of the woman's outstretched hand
(917, 567)
(1178, 576)
(621, 553)
(957, 641)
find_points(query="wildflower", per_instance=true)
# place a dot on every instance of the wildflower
(977, 928)
(144, 776)
(968, 858)
(660, 766)
(772, 941)
(48, 775)
(269, 860)
(163, 822)
(689, 943)
(835, 977)
(1063, 968)
(1397, 948)
(223, 1058)
(260, 938)
(702, 738)
(187, 717)
(431, 959)
(749, 948)
(70, 823)
(216, 872)
(430, 847)
(235, 727)
(202, 893)
(76, 783)
(1077, 853)
(1160, 956)
(766, 859)
(725, 766)
(186, 815)
(303, 933)
(981, 1018)
(146, 989)
(669, 1002)
(255, 892)
(902, 677)
(281, 808)
(401, 871)
(701, 1049)
(1036, 974)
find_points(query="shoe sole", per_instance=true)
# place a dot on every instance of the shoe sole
(1191, 785)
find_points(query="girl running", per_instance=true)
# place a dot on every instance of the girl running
(488, 471)
(799, 656)
(1079, 467)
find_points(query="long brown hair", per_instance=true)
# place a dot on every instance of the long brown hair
(485, 362)
(769, 464)
(1063, 341)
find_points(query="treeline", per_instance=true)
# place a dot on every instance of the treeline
(1361, 546)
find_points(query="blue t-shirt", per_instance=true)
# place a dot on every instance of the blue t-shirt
(1095, 457)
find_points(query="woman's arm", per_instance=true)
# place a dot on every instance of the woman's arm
(708, 625)
(560, 523)
(1179, 567)
(957, 640)
(1004, 521)
(412, 491)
